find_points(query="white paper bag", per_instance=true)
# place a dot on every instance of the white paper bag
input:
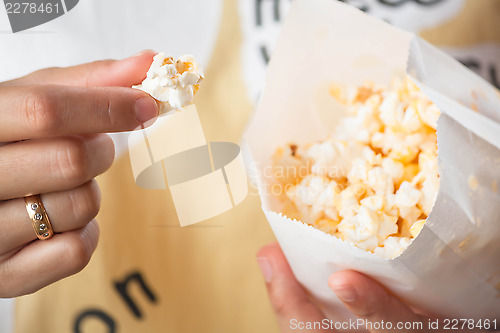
(453, 267)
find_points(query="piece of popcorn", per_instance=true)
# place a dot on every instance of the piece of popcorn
(407, 195)
(312, 195)
(332, 214)
(397, 145)
(427, 162)
(387, 226)
(410, 172)
(288, 165)
(359, 127)
(411, 121)
(417, 227)
(369, 244)
(392, 247)
(428, 145)
(375, 202)
(386, 141)
(391, 110)
(327, 225)
(359, 171)
(173, 82)
(361, 226)
(348, 202)
(333, 158)
(411, 214)
(429, 115)
(429, 192)
(313, 190)
(380, 181)
(371, 157)
(390, 206)
(393, 168)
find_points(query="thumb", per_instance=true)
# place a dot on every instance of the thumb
(369, 301)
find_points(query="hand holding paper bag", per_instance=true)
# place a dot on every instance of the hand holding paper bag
(375, 308)
(451, 268)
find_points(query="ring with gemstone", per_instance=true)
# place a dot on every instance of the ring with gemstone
(39, 217)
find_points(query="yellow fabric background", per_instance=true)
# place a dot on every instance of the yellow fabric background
(205, 275)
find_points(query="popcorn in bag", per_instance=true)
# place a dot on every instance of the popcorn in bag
(374, 181)
(451, 267)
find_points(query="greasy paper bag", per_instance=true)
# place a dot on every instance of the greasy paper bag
(452, 268)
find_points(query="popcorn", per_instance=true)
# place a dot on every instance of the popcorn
(361, 226)
(407, 195)
(173, 82)
(348, 205)
(416, 228)
(375, 202)
(393, 168)
(333, 159)
(375, 180)
(429, 192)
(429, 114)
(312, 195)
(380, 181)
(387, 226)
(289, 167)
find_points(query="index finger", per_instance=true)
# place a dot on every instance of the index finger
(102, 73)
(29, 112)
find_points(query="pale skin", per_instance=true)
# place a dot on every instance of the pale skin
(363, 296)
(51, 125)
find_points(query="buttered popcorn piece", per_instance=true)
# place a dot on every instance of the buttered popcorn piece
(393, 247)
(375, 180)
(172, 81)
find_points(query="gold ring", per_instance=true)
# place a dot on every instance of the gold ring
(39, 217)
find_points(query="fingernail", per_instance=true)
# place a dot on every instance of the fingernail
(265, 267)
(345, 293)
(145, 109)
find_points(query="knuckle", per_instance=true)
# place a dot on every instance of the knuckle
(77, 255)
(103, 102)
(288, 304)
(370, 310)
(11, 284)
(367, 313)
(283, 306)
(86, 202)
(72, 161)
(40, 111)
(42, 73)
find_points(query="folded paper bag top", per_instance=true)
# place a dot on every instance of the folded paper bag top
(451, 268)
